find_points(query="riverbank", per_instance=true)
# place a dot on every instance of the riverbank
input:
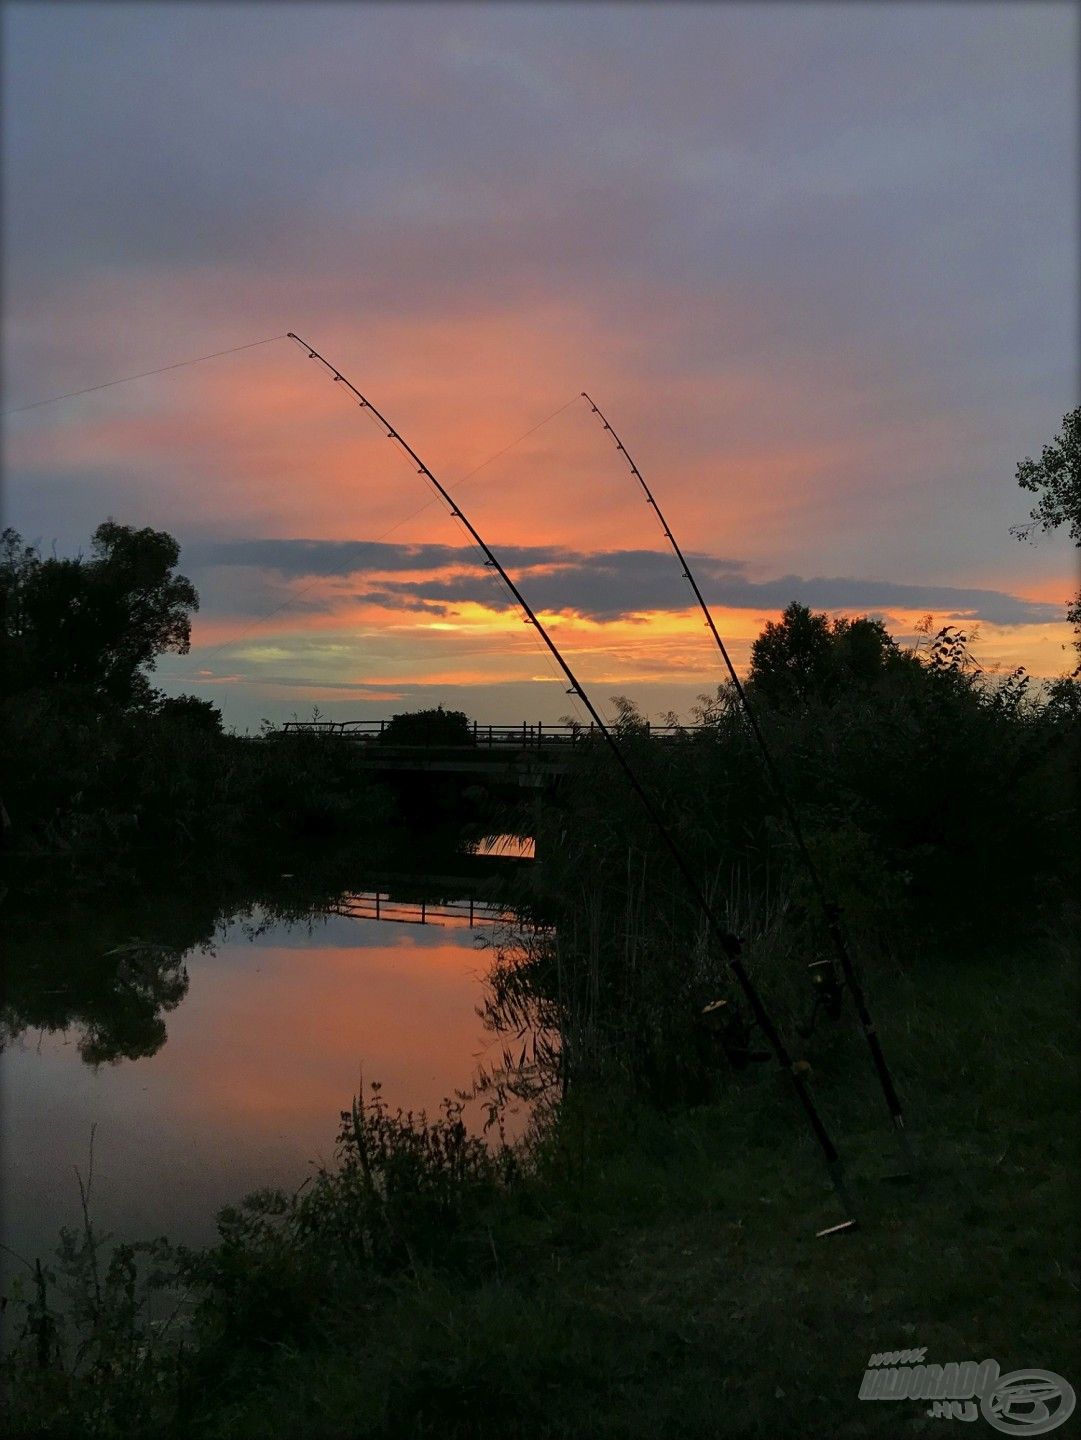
(642, 1272)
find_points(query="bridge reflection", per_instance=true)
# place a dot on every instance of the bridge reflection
(381, 905)
(495, 882)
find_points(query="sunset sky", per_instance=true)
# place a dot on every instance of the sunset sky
(817, 263)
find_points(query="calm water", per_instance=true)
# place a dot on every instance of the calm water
(267, 1032)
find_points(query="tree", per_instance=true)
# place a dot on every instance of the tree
(804, 657)
(428, 727)
(188, 711)
(94, 625)
(1057, 474)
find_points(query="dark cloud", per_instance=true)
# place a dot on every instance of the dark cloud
(397, 601)
(606, 585)
(299, 559)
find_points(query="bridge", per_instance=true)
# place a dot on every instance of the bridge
(529, 735)
(531, 756)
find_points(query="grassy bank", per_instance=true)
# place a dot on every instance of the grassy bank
(643, 1272)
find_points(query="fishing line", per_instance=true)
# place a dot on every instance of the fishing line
(126, 379)
(251, 345)
(728, 942)
(470, 473)
(486, 559)
(830, 910)
(493, 583)
(296, 595)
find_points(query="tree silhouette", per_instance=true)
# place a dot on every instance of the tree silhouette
(805, 657)
(428, 727)
(1056, 478)
(94, 624)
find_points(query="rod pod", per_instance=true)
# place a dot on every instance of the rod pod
(829, 909)
(729, 943)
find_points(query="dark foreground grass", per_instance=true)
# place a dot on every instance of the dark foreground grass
(657, 1274)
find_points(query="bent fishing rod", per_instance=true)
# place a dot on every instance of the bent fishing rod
(728, 942)
(830, 910)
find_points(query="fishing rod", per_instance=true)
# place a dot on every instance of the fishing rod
(729, 943)
(830, 910)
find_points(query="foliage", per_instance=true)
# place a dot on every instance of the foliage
(84, 776)
(805, 658)
(90, 1357)
(96, 761)
(936, 801)
(428, 727)
(1064, 701)
(193, 712)
(96, 625)
(1056, 478)
(404, 1190)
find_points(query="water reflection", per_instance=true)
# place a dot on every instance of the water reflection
(106, 977)
(386, 906)
(120, 1014)
(520, 847)
(213, 1045)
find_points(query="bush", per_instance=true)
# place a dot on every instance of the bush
(406, 1191)
(938, 805)
(189, 710)
(428, 727)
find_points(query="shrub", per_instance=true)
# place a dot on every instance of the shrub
(428, 727)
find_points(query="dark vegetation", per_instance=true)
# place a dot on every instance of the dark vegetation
(939, 805)
(1056, 479)
(643, 1264)
(95, 760)
(428, 727)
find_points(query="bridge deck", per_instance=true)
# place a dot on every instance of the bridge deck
(528, 735)
(531, 755)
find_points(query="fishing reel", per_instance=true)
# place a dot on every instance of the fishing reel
(732, 1032)
(828, 993)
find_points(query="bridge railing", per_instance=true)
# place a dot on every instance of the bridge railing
(527, 735)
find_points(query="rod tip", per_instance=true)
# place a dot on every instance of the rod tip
(845, 1228)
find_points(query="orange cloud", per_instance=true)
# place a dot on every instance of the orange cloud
(776, 464)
